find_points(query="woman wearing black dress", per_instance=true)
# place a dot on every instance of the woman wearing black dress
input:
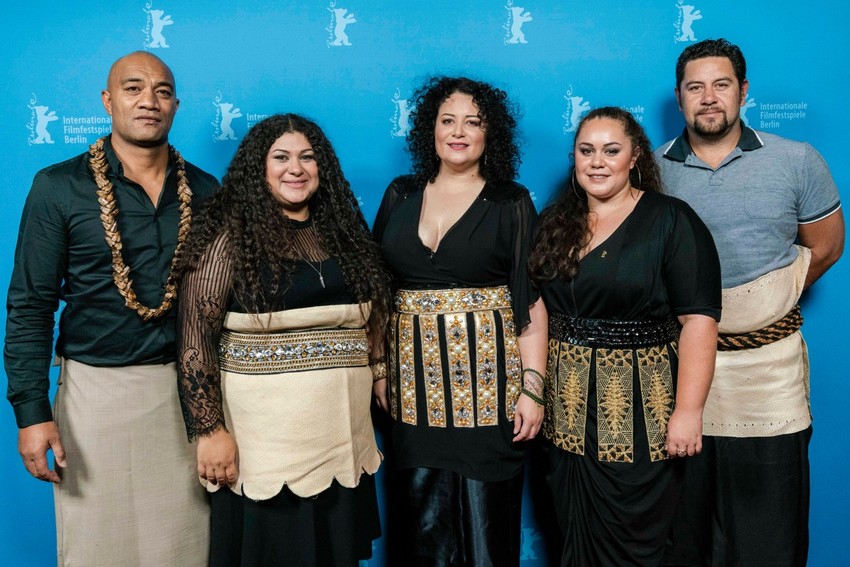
(631, 281)
(280, 279)
(464, 391)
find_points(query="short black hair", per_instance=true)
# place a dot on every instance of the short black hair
(713, 48)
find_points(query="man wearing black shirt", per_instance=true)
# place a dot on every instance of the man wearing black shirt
(99, 232)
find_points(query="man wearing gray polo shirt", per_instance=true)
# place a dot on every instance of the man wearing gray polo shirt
(746, 498)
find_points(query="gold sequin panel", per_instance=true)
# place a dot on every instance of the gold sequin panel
(423, 325)
(432, 367)
(513, 363)
(615, 405)
(569, 367)
(485, 363)
(392, 362)
(271, 353)
(406, 377)
(656, 387)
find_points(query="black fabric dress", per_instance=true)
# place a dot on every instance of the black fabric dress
(332, 528)
(608, 406)
(485, 248)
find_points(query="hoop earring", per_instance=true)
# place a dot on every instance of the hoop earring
(640, 181)
(573, 184)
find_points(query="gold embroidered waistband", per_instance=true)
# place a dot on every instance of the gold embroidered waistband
(270, 353)
(454, 300)
(460, 336)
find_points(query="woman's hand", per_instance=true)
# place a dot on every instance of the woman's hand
(379, 388)
(218, 457)
(527, 419)
(684, 433)
(697, 351)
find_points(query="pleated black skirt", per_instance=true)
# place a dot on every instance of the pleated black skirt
(612, 514)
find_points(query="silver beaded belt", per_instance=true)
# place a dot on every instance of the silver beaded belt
(452, 300)
(272, 353)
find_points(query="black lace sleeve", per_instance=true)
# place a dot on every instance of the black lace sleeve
(203, 298)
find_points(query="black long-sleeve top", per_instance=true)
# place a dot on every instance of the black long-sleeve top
(62, 255)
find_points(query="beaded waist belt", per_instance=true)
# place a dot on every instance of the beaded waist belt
(785, 327)
(615, 334)
(271, 353)
(453, 300)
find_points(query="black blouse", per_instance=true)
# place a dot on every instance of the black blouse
(487, 246)
(660, 262)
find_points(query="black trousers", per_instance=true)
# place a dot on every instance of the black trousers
(745, 503)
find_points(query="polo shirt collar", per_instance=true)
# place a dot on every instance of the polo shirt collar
(680, 148)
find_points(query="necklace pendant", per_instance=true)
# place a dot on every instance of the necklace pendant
(322, 281)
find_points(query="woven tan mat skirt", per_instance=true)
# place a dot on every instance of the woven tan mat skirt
(129, 495)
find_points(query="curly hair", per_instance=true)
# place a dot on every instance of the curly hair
(243, 211)
(712, 48)
(562, 231)
(501, 158)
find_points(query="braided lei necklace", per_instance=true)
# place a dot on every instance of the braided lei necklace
(109, 217)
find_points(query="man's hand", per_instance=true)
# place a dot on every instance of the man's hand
(33, 444)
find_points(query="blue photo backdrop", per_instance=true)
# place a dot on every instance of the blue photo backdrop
(352, 65)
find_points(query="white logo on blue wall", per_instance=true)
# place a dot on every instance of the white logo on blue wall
(340, 19)
(776, 115)
(40, 117)
(529, 536)
(751, 102)
(225, 113)
(636, 110)
(75, 129)
(513, 27)
(156, 21)
(684, 23)
(401, 115)
(576, 106)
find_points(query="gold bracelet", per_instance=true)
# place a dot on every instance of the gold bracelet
(379, 371)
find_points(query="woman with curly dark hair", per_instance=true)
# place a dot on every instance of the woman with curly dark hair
(631, 281)
(281, 280)
(468, 334)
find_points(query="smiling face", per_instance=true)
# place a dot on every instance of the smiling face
(292, 173)
(141, 99)
(459, 133)
(603, 156)
(710, 97)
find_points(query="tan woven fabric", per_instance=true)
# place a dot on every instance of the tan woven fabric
(303, 429)
(762, 391)
(129, 495)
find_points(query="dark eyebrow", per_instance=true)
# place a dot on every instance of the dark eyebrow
(139, 80)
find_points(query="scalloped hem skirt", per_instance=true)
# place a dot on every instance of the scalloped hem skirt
(335, 528)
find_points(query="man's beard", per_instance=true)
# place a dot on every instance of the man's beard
(714, 129)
